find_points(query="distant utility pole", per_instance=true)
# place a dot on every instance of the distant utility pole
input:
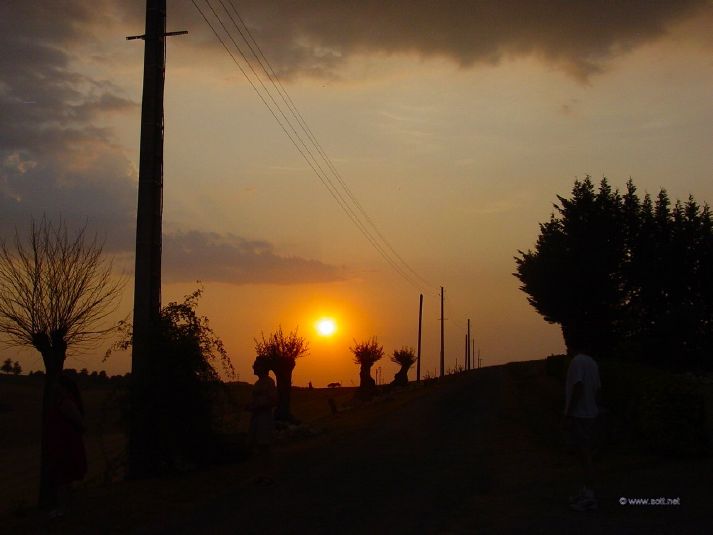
(465, 354)
(442, 341)
(147, 273)
(418, 357)
(467, 346)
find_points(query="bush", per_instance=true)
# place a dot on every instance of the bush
(669, 415)
(665, 413)
(186, 398)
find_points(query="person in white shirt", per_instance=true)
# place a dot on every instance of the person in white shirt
(581, 392)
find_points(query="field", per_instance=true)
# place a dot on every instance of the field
(105, 440)
(476, 452)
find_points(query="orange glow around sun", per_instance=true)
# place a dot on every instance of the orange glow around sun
(326, 326)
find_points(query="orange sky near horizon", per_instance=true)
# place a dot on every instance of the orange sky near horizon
(455, 146)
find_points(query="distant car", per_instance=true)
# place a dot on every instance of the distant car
(334, 385)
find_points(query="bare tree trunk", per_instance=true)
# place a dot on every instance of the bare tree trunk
(367, 385)
(283, 373)
(401, 377)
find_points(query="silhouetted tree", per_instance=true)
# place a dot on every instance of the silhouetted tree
(6, 366)
(627, 274)
(404, 357)
(186, 357)
(366, 354)
(54, 293)
(16, 368)
(282, 350)
(573, 277)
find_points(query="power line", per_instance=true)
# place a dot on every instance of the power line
(272, 75)
(313, 163)
(323, 178)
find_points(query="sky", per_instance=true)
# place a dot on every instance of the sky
(455, 124)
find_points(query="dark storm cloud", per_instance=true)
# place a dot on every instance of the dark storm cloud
(55, 159)
(579, 36)
(227, 258)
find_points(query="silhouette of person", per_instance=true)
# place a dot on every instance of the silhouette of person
(67, 459)
(581, 392)
(262, 423)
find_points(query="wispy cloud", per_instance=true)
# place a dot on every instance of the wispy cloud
(228, 258)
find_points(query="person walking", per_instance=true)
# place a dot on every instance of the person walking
(581, 411)
(262, 423)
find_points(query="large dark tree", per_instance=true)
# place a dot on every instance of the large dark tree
(573, 277)
(631, 276)
(282, 350)
(55, 292)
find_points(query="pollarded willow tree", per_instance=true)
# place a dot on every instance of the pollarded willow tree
(55, 292)
(366, 354)
(404, 357)
(282, 350)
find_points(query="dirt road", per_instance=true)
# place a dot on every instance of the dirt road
(479, 452)
(467, 457)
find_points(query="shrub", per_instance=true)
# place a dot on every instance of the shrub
(670, 416)
(188, 390)
(665, 413)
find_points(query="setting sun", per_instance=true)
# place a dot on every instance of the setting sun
(326, 326)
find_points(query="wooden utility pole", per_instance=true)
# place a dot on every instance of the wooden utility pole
(465, 355)
(147, 272)
(418, 354)
(442, 341)
(467, 346)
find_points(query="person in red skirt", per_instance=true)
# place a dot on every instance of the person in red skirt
(67, 459)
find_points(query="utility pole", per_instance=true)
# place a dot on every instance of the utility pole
(467, 345)
(418, 357)
(442, 341)
(465, 355)
(147, 272)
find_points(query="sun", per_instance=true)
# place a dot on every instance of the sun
(326, 326)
